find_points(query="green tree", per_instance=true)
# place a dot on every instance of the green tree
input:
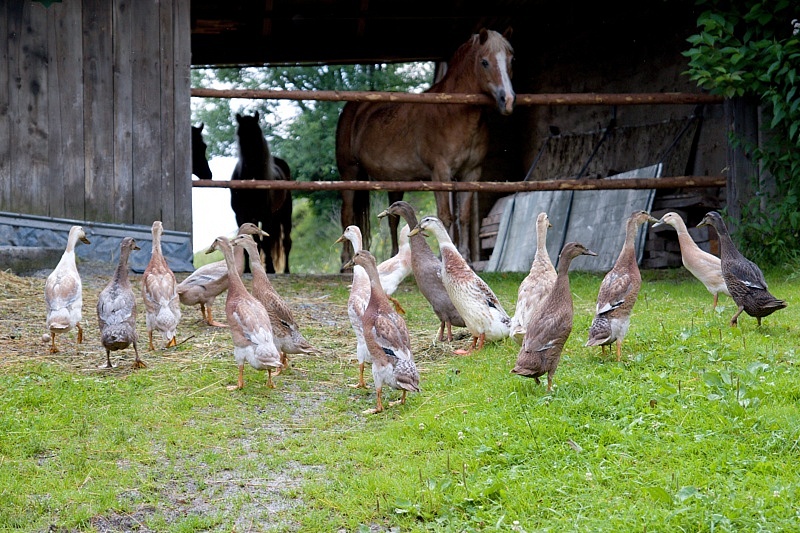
(752, 48)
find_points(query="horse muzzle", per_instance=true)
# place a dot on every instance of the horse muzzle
(505, 102)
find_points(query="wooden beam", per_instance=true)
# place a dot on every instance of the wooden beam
(481, 186)
(475, 99)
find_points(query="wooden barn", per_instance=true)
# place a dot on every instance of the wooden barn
(95, 99)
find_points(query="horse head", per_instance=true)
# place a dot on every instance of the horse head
(495, 56)
(200, 166)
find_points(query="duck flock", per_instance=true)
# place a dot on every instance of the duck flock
(265, 333)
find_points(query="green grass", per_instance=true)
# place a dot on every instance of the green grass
(696, 430)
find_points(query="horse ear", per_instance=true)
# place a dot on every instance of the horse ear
(256, 115)
(508, 33)
(484, 35)
(202, 125)
(238, 118)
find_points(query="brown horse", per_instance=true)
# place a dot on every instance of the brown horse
(387, 141)
(200, 166)
(271, 209)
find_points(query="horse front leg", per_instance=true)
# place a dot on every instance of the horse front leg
(348, 219)
(394, 222)
(462, 226)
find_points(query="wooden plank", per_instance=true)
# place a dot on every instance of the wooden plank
(123, 180)
(6, 56)
(481, 186)
(146, 125)
(182, 58)
(167, 76)
(68, 57)
(742, 117)
(477, 99)
(98, 98)
(32, 171)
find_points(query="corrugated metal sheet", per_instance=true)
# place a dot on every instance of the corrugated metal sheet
(593, 218)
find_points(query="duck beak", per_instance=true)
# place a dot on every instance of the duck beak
(349, 264)
(658, 223)
(383, 213)
(589, 252)
(414, 231)
(84, 240)
(703, 222)
(136, 247)
(340, 239)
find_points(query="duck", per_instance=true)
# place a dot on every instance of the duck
(357, 303)
(618, 291)
(248, 321)
(386, 337)
(160, 293)
(550, 323)
(704, 266)
(209, 281)
(477, 304)
(395, 269)
(536, 285)
(116, 309)
(63, 292)
(427, 270)
(285, 331)
(744, 279)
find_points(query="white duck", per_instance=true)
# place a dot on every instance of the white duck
(357, 303)
(704, 266)
(63, 292)
(248, 321)
(398, 267)
(160, 293)
(476, 302)
(536, 285)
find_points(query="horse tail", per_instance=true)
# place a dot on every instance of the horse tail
(362, 218)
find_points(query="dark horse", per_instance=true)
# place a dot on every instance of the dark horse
(200, 166)
(272, 209)
(387, 141)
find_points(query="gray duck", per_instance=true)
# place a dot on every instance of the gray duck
(550, 324)
(744, 279)
(248, 322)
(386, 337)
(116, 309)
(63, 292)
(285, 331)
(427, 269)
(618, 291)
(209, 281)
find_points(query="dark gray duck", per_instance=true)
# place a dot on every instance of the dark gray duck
(744, 279)
(116, 309)
(551, 324)
(427, 267)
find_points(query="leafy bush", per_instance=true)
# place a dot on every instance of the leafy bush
(752, 49)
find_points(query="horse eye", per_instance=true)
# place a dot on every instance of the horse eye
(485, 63)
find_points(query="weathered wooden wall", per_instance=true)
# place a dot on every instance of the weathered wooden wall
(94, 110)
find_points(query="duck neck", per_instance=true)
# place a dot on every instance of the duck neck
(256, 268)
(157, 244)
(121, 273)
(541, 239)
(235, 283)
(726, 245)
(238, 259)
(355, 240)
(628, 253)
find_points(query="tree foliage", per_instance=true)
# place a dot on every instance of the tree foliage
(747, 48)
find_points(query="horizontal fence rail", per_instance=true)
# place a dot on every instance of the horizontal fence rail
(480, 186)
(476, 99)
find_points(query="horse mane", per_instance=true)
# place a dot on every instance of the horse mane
(485, 42)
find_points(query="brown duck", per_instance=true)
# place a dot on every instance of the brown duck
(551, 323)
(744, 279)
(618, 291)
(386, 337)
(285, 331)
